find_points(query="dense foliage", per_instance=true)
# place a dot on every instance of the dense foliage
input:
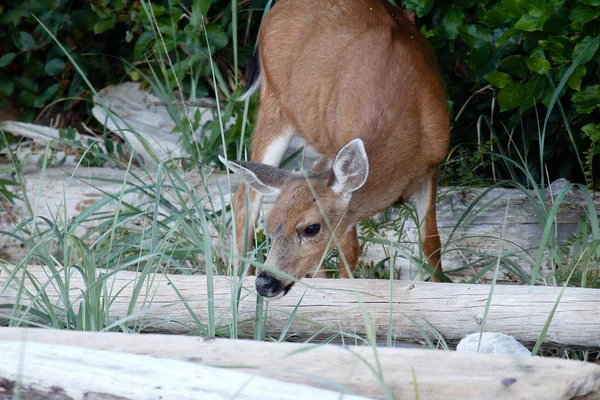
(505, 64)
(526, 51)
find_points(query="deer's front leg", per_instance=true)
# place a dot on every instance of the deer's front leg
(350, 248)
(272, 137)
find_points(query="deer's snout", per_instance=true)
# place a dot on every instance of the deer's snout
(268, 286)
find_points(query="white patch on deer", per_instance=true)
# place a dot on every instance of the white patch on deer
(250, 91)
(276, 149)
(273, 156)
(422, 199)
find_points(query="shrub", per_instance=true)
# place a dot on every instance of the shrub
(502, 63)
(515, 54)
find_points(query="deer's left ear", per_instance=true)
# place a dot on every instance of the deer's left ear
(350, 167)
(265, 179)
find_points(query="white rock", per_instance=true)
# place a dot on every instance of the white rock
(492, 342)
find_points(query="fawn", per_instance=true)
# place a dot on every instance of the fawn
(358, 81)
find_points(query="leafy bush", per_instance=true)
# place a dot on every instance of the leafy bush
(502, 62)
(516, 54)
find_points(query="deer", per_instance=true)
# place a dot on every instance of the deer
(361, 85)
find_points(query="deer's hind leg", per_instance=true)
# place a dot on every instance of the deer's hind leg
(425, 199)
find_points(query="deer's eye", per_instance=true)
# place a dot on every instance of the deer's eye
(312, 230)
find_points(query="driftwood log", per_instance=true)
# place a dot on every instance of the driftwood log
(335, 307)
(433, 374)
(482, 234)
(49, 371)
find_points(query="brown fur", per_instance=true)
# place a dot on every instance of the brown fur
(336, 70)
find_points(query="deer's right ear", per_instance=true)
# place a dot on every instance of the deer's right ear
(265, 179)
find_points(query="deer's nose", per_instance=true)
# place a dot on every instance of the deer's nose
(268, 286)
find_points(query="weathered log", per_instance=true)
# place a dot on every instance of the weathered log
(66, 373)
(491, 233)
(437, 374)
(335, 306)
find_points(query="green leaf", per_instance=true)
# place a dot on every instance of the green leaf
(104, 24)
(110, 146)
(216, 36)
(563, 41)
(512, 8)
(54, 67)
(157, 10)
(141, 44)
(591, 2)
(585, 110)
(536, 8)
(515, 65)
(584, 47)
(421, 7)
(592, 131)
(509, 97)
(532, 91)
(7, 59)
(26, 39)
(509, 33)
(453, 19)
(27, 98)
(499, 79)
(574, 80)
(199, 10)
(474, 35)
(555, 51)
(531, 23)
(538, 65)
(48, 95)
(588, 97)
(582, 14)
(485, 67)
(26, 83)
(7, 86)
(496, 17)
(556, 5)
(68, 133)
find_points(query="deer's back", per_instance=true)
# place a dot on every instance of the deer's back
(343, 69)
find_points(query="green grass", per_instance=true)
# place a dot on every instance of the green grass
(178, 228)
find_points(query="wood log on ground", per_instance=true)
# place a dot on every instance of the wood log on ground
(332, 307)
(67, 373)
(437, 374)
(480, 235)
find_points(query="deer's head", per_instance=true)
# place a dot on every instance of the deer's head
(306, 207)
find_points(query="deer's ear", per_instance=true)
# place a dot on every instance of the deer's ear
(350, 167)
(265, 179)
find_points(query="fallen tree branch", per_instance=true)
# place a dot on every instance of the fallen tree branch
(438, 374)
(331, 307)
(76, 373)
